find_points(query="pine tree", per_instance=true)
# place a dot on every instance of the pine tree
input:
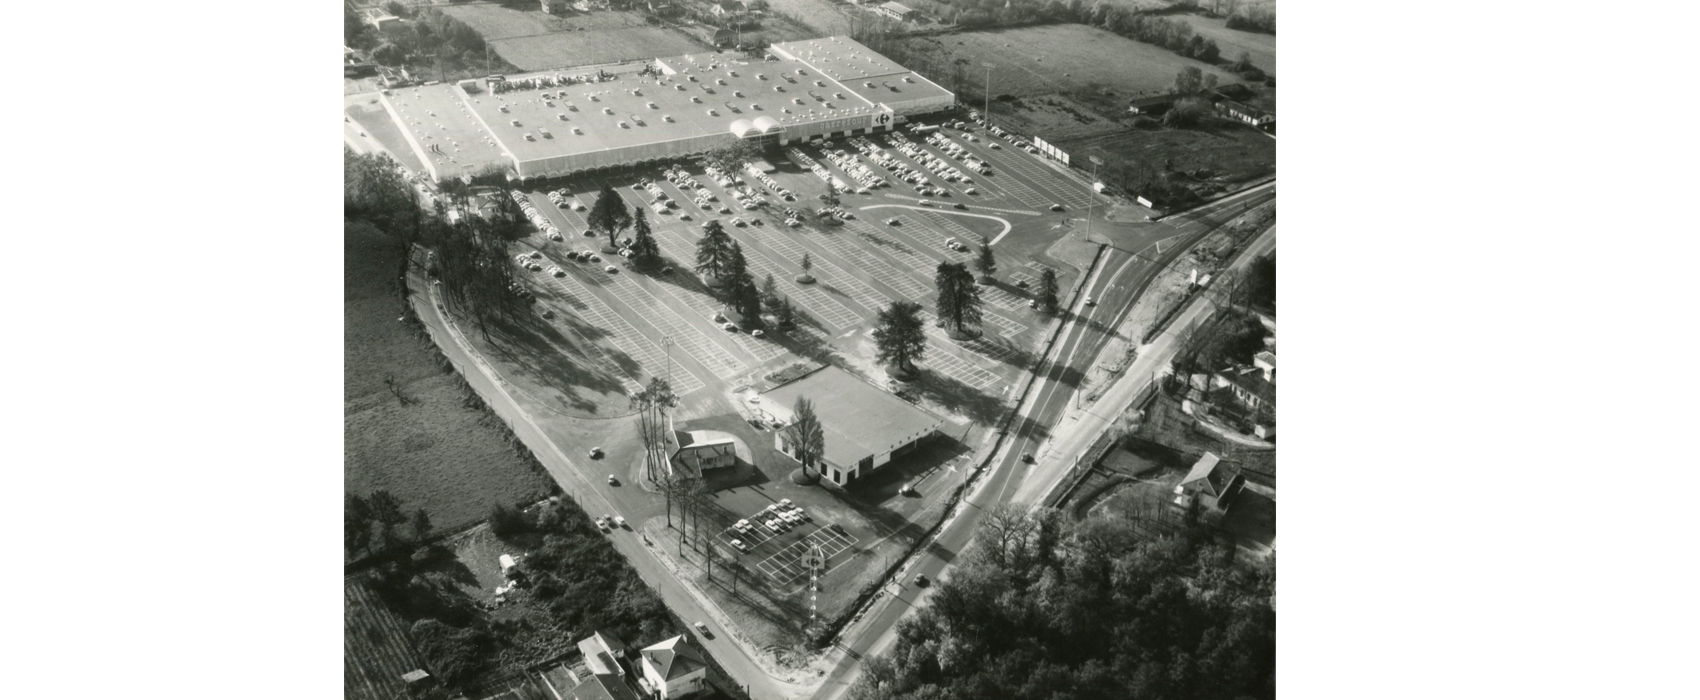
(807, 265)
(1048, 290)
(987, 264)
(714, 252)
(645, 252)
(899, 339)
(958, 297)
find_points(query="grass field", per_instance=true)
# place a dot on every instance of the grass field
(1059, 58)
(1233, 41)
(432, 453)
(820, 15)
(375, 648)
(1230, 153)
(533, 40)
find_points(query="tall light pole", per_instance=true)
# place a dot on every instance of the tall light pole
(989, 68)
(1091, 197)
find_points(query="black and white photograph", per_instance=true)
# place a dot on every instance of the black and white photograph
(847, 350)
(798, 349)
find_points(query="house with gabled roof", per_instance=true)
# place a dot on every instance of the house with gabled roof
(1211, 482)
(672, 668)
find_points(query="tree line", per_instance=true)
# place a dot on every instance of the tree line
(1046, 607)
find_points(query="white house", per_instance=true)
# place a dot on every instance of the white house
(1211, 482)
(673, 668)
(555, 7)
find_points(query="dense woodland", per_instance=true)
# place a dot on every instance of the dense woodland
(1045, 607)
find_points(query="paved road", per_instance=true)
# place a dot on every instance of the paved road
(1077, 434)
(598, 498)
(1119, 279)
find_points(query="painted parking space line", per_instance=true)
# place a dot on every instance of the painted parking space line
(626, 337)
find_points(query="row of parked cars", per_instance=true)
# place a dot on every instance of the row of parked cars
(956, 151)
(941, 168)
(848, 162)
(768, 182)
(777, 517)
(536, 217)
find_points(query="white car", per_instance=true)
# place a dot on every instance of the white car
(740, 545)
(620, 521)
(610, 269)
(729, 326)
(556, 271)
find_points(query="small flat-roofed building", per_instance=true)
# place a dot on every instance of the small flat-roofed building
(556, 7)
(602, 686)
(896, 11)
(702, 452)
(1151, 104)
(865, 427)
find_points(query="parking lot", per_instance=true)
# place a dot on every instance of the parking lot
(860, 266)
(786, 566)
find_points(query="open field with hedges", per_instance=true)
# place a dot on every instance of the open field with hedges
(534, 40)
(432, 452)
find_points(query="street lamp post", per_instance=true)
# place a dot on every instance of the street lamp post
(1091, 197)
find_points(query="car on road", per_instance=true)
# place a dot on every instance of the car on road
(596, 453)
(920, 580)
(960, 205)
(602, 524)
(620, 520)
(1056, 207)
(1091, 301)
(613, 481)
(702, 628)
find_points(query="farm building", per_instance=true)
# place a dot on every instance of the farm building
(383, 21)
(896, 11)
(555, 7)
(1150, 105)
(660, 110)
(865, 427)
(1244, 113)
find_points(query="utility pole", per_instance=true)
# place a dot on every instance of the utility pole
(989, 68)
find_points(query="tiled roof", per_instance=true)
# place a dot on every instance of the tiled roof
(674, 658)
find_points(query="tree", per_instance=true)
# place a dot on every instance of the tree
(386, 510)
(986, 263)
(958, 297)
(421, 525)
(742, 294)
(807, 265)
(652, 404)
(786, 316)
(714, 253)
(770, 299)
(1189, 80)
(829, 198)
(804, 434)
(506, 521)
(609, 215)
(645, 251)
(1048, 290)
(356, 523)
(899, 339)
(1260, 281)
(1187, 111)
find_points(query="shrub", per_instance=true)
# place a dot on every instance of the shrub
(506, 521)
